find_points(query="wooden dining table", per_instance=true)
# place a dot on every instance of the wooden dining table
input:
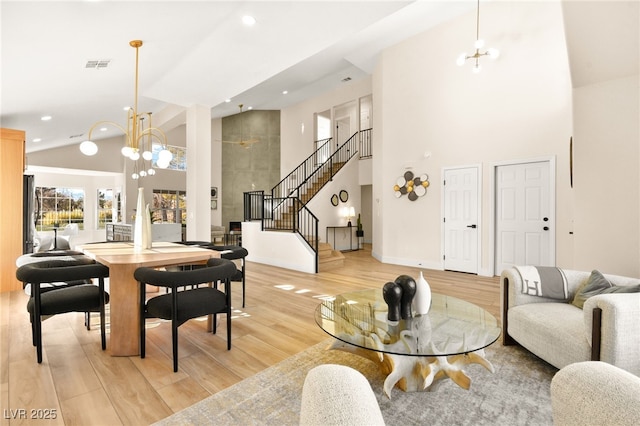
(123, 258)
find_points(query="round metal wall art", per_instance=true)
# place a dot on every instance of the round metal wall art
(411, 186)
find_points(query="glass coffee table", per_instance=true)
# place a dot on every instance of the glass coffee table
(415, 353)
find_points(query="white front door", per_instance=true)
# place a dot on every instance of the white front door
(461, 220)
(524, 216)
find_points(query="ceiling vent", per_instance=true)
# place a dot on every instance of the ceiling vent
(97, 64)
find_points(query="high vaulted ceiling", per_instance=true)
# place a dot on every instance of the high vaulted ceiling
(199, 52)
(194, 52)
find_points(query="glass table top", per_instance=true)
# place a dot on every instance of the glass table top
(451, 327)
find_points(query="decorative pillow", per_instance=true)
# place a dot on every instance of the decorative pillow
(544, 281)
(598, 284)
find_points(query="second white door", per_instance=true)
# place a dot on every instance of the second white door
(524, 215)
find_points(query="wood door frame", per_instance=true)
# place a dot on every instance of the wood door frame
(477, 166)
(492, 205)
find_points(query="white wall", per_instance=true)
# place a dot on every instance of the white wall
(346, 179)
(607, 176)
(513, 110)
(297, 145)
(518, 107)
(282, 249)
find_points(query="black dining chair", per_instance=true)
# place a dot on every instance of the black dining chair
(71, 292)
(235, 253)
(186, 299)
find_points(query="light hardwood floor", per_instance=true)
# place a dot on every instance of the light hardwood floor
(83, 385)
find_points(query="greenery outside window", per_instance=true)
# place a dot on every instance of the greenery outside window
(59, 207)
(169, 206)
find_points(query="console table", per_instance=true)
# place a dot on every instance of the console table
(351, 230)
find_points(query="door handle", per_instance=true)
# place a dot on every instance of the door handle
(546, 228)
(472, 226)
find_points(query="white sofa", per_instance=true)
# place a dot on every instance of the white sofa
(338, 395)
(595, 393)
(606, 329)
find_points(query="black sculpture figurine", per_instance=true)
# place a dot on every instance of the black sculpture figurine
(408, 286)
(392, 294)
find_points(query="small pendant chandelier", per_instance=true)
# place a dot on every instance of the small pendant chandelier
(479, 44)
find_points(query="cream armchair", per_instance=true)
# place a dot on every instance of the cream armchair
(606, 329)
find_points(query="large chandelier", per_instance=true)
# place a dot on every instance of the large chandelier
(138, 136)
(479, 44)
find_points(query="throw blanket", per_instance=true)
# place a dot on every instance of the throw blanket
(544, 281)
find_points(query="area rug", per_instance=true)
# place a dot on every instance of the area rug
(516, 394)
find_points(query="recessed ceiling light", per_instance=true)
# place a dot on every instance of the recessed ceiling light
(250, 108)
(284, 92)
(127, 108)
(249, 21)
(36, 140)
(227, 100)
(103, 129)
(46, 118)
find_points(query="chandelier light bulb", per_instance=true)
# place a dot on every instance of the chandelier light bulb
(88, 148)
(151, 172)
(126, 151)
(143, 173)
(461, 59)
(135, 155)
(493, 53)
(479, 44)
(477, 68)
(165, 154)
(164, 158)
(147, 155)
(134, 176)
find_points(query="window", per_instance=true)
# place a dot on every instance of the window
(59, 207)
(179, 160)
(108, 205)
(169, 206)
